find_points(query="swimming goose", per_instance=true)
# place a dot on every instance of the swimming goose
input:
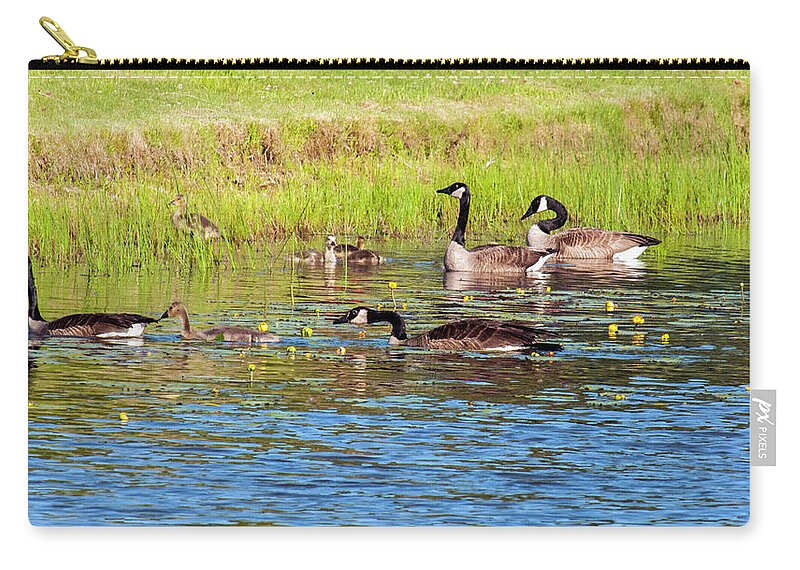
(487, 258)
(101, 325)
(194, 223)
(464, 334)
(357, 256)
(346, 249)
(316, 257)
(581, 243)
(226, 333)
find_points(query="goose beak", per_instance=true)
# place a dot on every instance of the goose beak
(444, 191)
(164, 316)
(341, 320)
(530, 212)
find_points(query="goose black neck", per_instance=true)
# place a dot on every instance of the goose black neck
(463, 216)
(33, 299)
(551, 224)
(394, 319)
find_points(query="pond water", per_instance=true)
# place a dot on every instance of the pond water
(629, 430)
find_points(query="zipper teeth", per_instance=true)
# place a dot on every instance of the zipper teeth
(379, 63)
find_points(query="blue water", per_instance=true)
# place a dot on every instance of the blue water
(611, 431)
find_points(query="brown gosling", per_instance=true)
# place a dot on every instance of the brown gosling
(344, 249)
(194, 223)
(224, 333)
(316, 257)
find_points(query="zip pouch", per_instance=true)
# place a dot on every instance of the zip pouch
(388, 292)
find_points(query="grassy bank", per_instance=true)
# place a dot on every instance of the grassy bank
(291, 155)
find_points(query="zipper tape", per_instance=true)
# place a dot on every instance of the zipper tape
(390, 63)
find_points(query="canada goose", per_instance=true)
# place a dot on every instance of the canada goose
(101, 325)
(346, 249)
(487, 258)
(316, 257)
(226, 333)
(581, 243)
(464, 334)
(194, 223)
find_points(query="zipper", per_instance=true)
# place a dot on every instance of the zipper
(75, 56)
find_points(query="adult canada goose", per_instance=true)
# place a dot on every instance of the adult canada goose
(316, 257)
(194, 223)
(101, 325)
(487, 258)
(346, 249)
(464, 334)
(226, 333)
(581, 243)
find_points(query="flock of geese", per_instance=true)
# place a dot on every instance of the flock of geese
(469, 334)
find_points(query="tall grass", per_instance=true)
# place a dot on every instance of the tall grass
(294, 157)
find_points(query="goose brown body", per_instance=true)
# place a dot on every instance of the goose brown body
(487, 258)
(581, 243)
(191, 222)
(226, 333)
(101, 325)
(464, 334)
(345, 249)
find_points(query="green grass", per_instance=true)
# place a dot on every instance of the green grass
(296, 154)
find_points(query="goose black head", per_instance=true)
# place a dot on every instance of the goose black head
(538, 204)
(456, 190)
(358, 315)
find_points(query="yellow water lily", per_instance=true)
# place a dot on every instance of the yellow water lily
(123, 417)
(251, 367)
(392, 285)
(263, 326)
(306, 331)
(665, 338)
(613, 329)
(638, 320)
(520, 291)
(547, 289)
(610, 306)
(291, 349)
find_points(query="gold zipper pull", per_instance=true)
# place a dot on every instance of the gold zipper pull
(72, 52)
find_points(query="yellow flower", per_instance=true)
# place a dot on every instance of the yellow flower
(379, 306)
(263, 326)
(613, 329)
(306, 331)
(123, 417)
(341, 350)
(638, 320)
(291, 349)
(404, 306)
(251, 367)
(547, 289)
(520, 291)
(610, 306)
(665, 338)
(392, 285)
(619, 396)
(468, 298)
